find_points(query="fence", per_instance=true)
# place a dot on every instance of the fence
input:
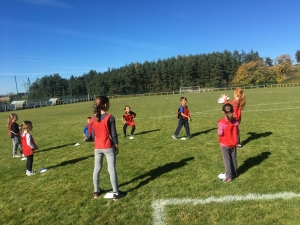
(35, 104)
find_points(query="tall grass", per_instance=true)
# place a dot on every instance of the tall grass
(154, 166)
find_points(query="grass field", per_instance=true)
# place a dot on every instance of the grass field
(155, 168)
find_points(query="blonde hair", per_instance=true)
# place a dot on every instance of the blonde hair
(241, 95)
(11, 117)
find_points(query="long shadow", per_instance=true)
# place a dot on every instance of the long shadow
(147, 131)
(56, 147)
(253, 161)
(254, 136)
(203, 132)
(68, 162)
(155, 173)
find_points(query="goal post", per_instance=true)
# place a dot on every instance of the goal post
(190, 89)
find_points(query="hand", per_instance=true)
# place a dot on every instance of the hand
(117, 149)
(190, 119)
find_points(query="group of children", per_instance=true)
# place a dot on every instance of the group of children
(22, 140)
(228, 129)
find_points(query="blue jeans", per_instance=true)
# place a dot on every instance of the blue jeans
(184, 123)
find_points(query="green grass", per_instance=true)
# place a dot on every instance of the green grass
(154, 166)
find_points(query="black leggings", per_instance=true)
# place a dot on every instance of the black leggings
(132, 129)
(29, 162)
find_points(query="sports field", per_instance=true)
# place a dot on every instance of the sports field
(168, 181)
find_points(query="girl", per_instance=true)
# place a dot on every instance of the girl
(128, 120)
(227, 131)
(28, 146)
(106, 143)
(238, 104)
(15, 134)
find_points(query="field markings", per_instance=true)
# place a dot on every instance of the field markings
(159, 205)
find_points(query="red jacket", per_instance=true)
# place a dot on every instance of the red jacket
(102, 135)
(229, 134)
(129, 118)
(28, 144)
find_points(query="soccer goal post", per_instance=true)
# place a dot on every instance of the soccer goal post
(191, 89)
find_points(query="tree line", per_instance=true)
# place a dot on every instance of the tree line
(217, 69)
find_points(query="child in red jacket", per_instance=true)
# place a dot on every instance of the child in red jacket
(28, 146)
(228, 130)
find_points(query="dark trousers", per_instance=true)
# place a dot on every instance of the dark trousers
(125, 127)
(230, 162)
(29, 162)
(184, 123)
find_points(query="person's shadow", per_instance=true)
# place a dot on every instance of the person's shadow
(254, 136)
(203, 132)
(56, 147)
(155, 173)
(147, 131)
(68, 162)
(253, 161)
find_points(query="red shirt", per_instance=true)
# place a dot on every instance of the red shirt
(129, 118)
(228, 132)
(28, 144)
(102, 135)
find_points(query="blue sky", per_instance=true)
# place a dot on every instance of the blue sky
(72, 37)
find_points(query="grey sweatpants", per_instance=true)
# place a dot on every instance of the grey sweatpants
(111, 164)
(17, 144)
(230, 162)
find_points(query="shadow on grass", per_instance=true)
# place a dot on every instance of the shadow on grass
(253, 161)
(147, 131)
(72, 161)
(203, 132)
(56, 147)
(155, 173)
(254, 136)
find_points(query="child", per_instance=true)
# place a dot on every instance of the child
(28, 146)
(128, 120)
(87, 131)
(15, 134)
(183, 119)
(106, 143)
(238, 104)
(227, 130)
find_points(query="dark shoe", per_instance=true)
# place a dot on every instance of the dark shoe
(98, 193)
(118, 195)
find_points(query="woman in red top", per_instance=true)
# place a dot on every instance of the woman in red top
(128, 120)
(28, 146)
(106, 143)
(238, 104)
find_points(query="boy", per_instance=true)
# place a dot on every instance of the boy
(183, 119)
(87, 131)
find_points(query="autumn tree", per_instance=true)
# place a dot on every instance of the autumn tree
(282, 67)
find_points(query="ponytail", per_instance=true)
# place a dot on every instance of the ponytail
(228, 110)
(241, 95)
(100, 104)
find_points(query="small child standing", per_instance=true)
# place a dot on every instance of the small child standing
(227, 131)
(88, 131)
(183, 119)
(28, 146)
(128, 120)
(15, 134)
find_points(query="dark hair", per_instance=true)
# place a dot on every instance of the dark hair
(228, 110)
(126, 106)
(100, 104)
(183, 98)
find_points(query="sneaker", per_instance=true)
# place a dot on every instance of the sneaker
(98, 193)
(118, 195)
(29, 173)
(174, 137)
(225, 180)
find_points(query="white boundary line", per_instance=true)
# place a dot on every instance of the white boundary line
(158, 205)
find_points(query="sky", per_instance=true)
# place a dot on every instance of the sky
(72, 37)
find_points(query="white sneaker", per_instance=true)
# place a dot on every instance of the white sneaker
(29, 173)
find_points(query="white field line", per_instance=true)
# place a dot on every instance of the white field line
(159, 205)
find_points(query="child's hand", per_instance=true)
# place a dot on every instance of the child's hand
(190, 119)
(117, 149)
